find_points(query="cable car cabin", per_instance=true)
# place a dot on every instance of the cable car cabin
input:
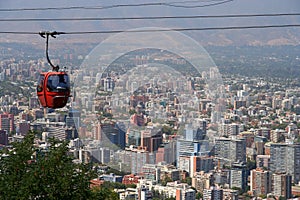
(53, 89)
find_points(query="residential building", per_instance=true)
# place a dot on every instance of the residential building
(285, 158)
(111, 178)
(238, 176)
(213, 193)
(151, 172)
(260, 182)
(202, 181)
(131, 179)
(228, 151)
(282, 185)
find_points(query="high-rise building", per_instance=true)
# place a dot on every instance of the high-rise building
(213, 194)
(201, 163)
(194, 134)
(111, 132)
(285, 158)
(23, 127)
(7, 122)
(228, 129)
(238, 176)
(151, 141)
(228, 151)
(138, 158)
(193, 143)
(282, 185)
(73, 119)
(167, 152)
(193, 164)
(3, 137)
(260, 182)
(71, 133)
(191, 148)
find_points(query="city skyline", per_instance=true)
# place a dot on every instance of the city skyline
(169, 100)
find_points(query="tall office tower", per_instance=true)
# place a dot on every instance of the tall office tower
(193, 164)
(73, 118)
(260, 182)
(285, 158)
(201, 124)
(167, 152)
(151, 141)
(7, 122)
(282, 185)
(228, 151)
(193, 143)
(194, 134)
(238, 176)
(139, 157)
(111, 133)
(192, 148)
(23, 127)
(3, 137)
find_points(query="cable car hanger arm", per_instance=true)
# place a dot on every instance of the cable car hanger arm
(46, 34)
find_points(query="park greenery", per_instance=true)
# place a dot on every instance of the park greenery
(28, 172)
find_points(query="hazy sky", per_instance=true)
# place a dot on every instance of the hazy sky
(231, 7)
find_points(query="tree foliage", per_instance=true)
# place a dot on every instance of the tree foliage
(28, 172)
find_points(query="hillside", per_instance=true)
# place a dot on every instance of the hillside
(256, 37)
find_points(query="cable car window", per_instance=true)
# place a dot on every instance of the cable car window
(40, 85)
(58, 82)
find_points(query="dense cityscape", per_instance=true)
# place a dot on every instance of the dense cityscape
(147, 141)
(150, 100)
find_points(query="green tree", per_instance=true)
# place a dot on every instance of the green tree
(28, 172)
(132, 111)
(263, 196)
(166, 180)
(102, 193)
(187, 180)
(251, 164)
(199, 195)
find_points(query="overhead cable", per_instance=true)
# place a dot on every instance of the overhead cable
(169, 4)
(158, 30)
(149, 17)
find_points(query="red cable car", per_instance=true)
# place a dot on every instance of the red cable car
(53, 89)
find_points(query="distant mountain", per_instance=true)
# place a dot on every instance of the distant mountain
(270, 36)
